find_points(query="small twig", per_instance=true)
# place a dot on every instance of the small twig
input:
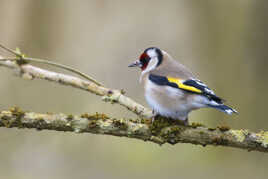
(36, 60)
(21, 56)
(10, 50)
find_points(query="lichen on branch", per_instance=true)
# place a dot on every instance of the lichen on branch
(161, 131)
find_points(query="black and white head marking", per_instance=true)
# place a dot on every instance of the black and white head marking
(154, 52)
(150, 59)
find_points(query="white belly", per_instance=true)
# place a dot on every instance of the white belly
(171, 102)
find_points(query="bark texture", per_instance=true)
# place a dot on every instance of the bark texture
(160, 131)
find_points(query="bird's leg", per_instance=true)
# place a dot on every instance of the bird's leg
(154, 116)
(186, 122)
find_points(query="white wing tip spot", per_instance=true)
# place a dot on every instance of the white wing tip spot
(229, 111)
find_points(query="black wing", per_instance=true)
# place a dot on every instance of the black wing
(191, 85)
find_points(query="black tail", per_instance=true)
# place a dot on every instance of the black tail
(224, 108)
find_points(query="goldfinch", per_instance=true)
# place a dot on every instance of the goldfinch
(171, 90)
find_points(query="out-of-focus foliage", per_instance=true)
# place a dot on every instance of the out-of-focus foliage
(223, 42)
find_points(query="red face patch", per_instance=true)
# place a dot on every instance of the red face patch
(144, 59)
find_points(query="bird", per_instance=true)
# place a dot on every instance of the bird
(171, 90)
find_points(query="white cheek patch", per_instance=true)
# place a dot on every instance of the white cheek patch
(151, 65)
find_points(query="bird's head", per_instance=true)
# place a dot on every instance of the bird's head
(150, 59)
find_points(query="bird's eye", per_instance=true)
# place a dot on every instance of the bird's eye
(144, 58)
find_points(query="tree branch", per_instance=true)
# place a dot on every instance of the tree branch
(160, 132)
(109, 95)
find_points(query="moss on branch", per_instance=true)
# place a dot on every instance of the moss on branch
(161, 131)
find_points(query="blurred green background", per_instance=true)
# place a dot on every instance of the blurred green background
(223, 42)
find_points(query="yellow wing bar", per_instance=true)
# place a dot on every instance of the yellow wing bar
(183, 86)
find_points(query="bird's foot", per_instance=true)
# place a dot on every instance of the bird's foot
(186, 122)
(155, 115)
(154, 118)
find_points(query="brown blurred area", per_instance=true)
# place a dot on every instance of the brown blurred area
(223, 42)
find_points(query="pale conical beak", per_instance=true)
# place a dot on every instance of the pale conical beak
(137, 63)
